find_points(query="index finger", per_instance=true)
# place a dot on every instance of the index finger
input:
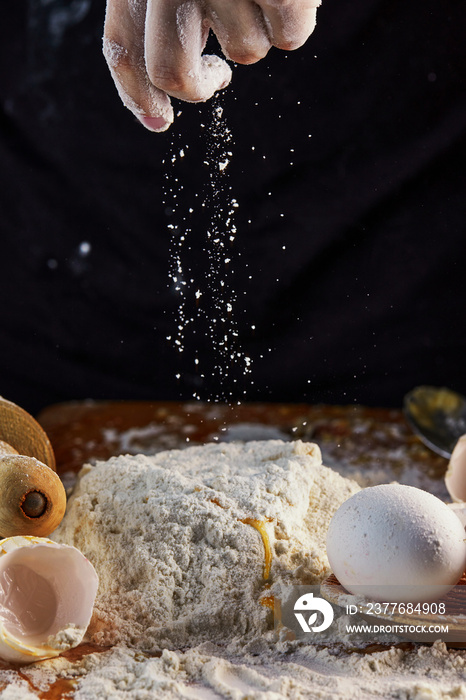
(123, 48)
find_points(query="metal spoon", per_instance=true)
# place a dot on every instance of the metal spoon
(437, 415)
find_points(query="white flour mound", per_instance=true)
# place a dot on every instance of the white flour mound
(178, 564)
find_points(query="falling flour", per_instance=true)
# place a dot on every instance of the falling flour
(204, 283)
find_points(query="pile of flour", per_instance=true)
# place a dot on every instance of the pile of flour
(181, 540)
(182, 578)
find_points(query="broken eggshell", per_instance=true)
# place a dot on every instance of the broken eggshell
(47, 593)
(455, 478)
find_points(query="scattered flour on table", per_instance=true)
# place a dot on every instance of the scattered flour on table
(66, 638)
(288, 671)
(186, 542)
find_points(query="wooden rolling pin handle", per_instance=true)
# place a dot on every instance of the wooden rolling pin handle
(32, 497)
(34, 503)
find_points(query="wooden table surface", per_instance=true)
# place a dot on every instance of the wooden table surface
(88, 430)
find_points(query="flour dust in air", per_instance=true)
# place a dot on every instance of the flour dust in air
(202, 212)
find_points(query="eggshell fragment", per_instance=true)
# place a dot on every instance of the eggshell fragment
(455, 478)
(396, 543)
(459, 509)
(47, 593)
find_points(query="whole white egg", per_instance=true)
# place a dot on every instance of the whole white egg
(396, 543)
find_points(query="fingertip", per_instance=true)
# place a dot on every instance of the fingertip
(216, 74)
(155, 124)
(291, 32)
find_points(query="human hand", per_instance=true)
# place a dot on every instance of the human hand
(154, 47)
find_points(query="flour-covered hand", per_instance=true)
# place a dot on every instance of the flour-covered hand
(154, 47)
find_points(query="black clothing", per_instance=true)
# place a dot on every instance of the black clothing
(348, 164)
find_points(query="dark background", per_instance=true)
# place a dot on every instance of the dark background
(350, 152)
